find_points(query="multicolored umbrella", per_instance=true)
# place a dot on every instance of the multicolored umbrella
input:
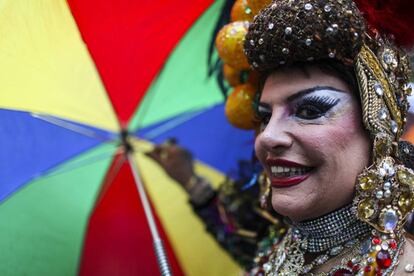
(78, 80)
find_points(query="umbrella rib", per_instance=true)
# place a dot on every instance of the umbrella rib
(79, 164)
(146, 103)
(158, 131)
(70, 126)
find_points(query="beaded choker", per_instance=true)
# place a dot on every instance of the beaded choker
(331, 230)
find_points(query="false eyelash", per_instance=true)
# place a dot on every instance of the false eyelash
(322, 102)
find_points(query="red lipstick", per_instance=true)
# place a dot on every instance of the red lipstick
(286, 181)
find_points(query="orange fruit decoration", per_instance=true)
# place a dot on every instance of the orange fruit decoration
(229, 44)
(239, 107)
(241, 12)
(257, 5)
(231, 75)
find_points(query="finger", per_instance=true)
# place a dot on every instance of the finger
(154, 156)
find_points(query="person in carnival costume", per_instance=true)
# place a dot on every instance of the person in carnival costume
(332, 108)
(329, 113)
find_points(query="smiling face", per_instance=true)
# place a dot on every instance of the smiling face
(312, 142)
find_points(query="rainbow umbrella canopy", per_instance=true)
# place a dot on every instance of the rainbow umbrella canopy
(79, 81)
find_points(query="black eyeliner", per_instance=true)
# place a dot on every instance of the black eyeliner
(314, 106)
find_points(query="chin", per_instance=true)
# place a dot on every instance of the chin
(295, 208)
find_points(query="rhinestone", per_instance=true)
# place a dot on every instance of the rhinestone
(350, 243)
(322, 259)
(262, 58)
(367, 182)
(370, 260)
(383, 259)
(405, 177)
(387, 193)
(336, 250)
(356, 35)
(331, 55)
(248, 10)
(392, 244)
(406, 202)
(270, 26)
(335, 26)
(308, 6)
(327, 8)
(389, 219)
(267, 267)
(273, 6)
(382, 172)
(394, 127)
(387, 185)
(255, 64)
(307, 268)
(378, 89)
(366, 208)
(388, 58)
(409, 268)
(379, 194)
(252, 42)
(308, 42)
(382, 114)
(261, 41)
(365, 246)
(288, 30)
(376, 240)
(329, 30)
(384, 246)
(388, 167)
(285, 51)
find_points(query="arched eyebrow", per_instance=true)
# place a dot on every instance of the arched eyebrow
(304, 92)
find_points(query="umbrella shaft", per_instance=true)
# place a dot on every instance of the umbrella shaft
(162, 258)
(158, 246)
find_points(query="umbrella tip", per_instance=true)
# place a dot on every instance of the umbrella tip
(125, 141)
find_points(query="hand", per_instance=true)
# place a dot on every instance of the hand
(177, 162)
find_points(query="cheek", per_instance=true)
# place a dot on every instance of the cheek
(337, 141)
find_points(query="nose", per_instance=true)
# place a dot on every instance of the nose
(275, 137)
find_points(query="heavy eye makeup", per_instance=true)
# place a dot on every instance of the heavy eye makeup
(314, 106)
(308, 106)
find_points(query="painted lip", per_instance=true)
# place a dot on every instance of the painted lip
(284, 182)
(278, 182)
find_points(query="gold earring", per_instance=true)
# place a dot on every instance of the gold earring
(265, 188)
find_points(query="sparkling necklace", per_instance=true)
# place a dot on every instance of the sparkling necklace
(338, 234)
